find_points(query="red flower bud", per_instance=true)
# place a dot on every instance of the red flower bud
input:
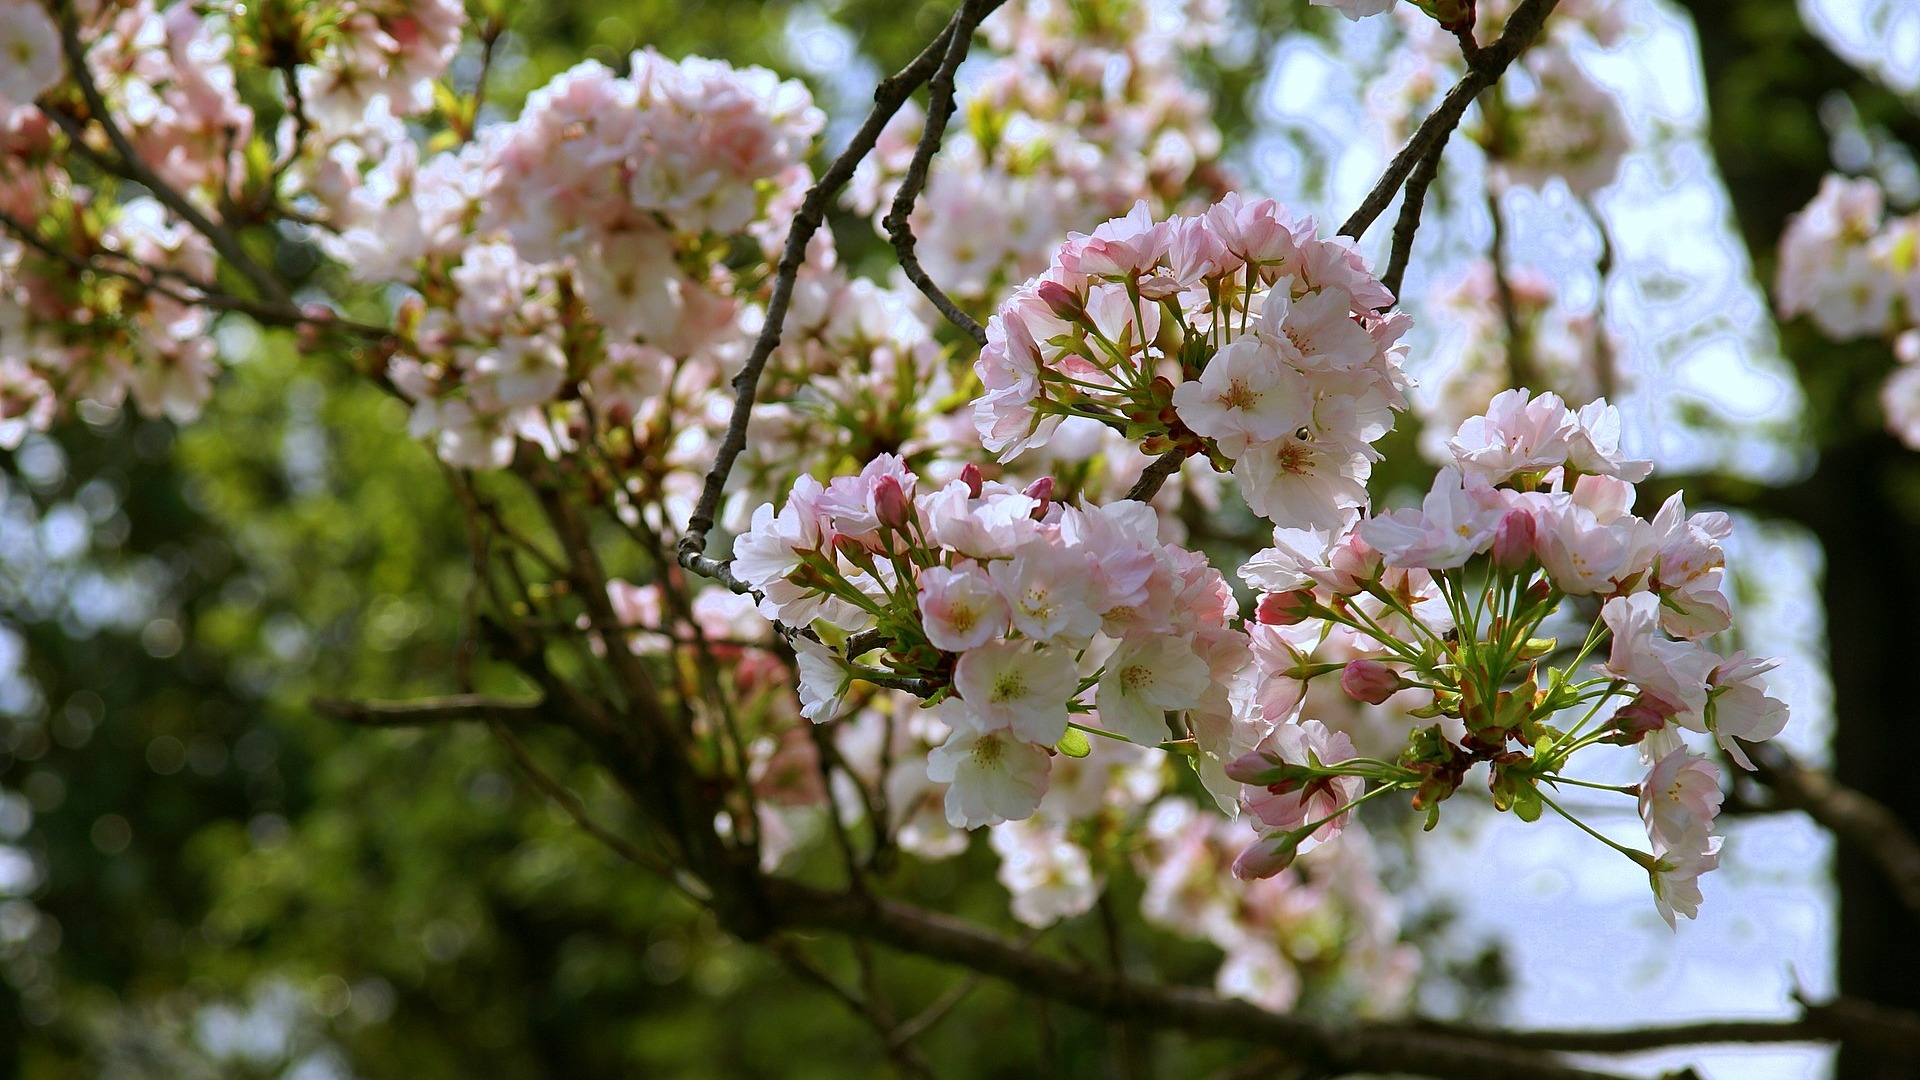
(1370, 681)
(1062, 301)
(1285, 609)
(1041, 489)
(1513, 540)
(970, 476)
(890, 503)
(1641, 717)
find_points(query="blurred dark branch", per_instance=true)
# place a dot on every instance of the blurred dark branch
(888, 97)
(1145, 488)
(1889, 1031)
(1865, 823)
(188, 291)
(939, 110)
(128, 165)
(907, 1058)
(455, 709)
(1483, 70)
(1520, 367)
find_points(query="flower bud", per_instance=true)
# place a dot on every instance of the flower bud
(970, 476)
(1513, 540)
(1370, 681)
(1041, 489)
(852, 550)
(1062, 301)
(1286, 609)
(1255, 767)
(890, 503)
(1267, 856)
(1641, 717)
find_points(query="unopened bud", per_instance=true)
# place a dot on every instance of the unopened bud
(890, 503)
(970, 476)
(1267, 856)
(1370, 681)
(1641, 717)
(1286, 609)
(1062, 301)
(1513, 540)
(851, 550)
(1041, 490)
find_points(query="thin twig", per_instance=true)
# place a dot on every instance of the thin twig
(457, 708)
(888, 97)
(940, 104)
(678, 877)
(131, 167)
(1483, 71)
(1408, 222)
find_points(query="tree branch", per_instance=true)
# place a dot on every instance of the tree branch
(940, 105)
(888, 97)
(456, 709)
(1483, 70)
(1853, 817)
(132, 167)
(1156, 474)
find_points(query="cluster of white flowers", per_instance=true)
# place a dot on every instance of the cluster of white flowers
(1855, 272)
(1236, 333)
(1440, 605)
(612, 201)
(1016, 610)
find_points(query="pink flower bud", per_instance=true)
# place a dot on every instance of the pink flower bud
(1513, 540)
(1267, 856)
(970, 476)
(1370, 681)
(1641, 717)
(1041, 489)
(890, 503)
(1062, 301)
(850, 549)
(1285, 609)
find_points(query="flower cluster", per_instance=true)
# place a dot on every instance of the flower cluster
(1447, 604)
(1010, 610)
(1855, 272)
(1325, 922)
(1236, 333)
(568, 266)
(365, 58)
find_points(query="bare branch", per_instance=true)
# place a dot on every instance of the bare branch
(1484, 68)
(939, 110)
(459, 708)
(888, 97)
(1145, 488)
(1408, 223)
(1853, 817)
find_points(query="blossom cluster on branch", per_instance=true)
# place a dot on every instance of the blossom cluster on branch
(940, 614)
(1854, 271)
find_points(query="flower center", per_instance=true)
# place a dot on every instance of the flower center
(1007, 686)
(986, 751)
